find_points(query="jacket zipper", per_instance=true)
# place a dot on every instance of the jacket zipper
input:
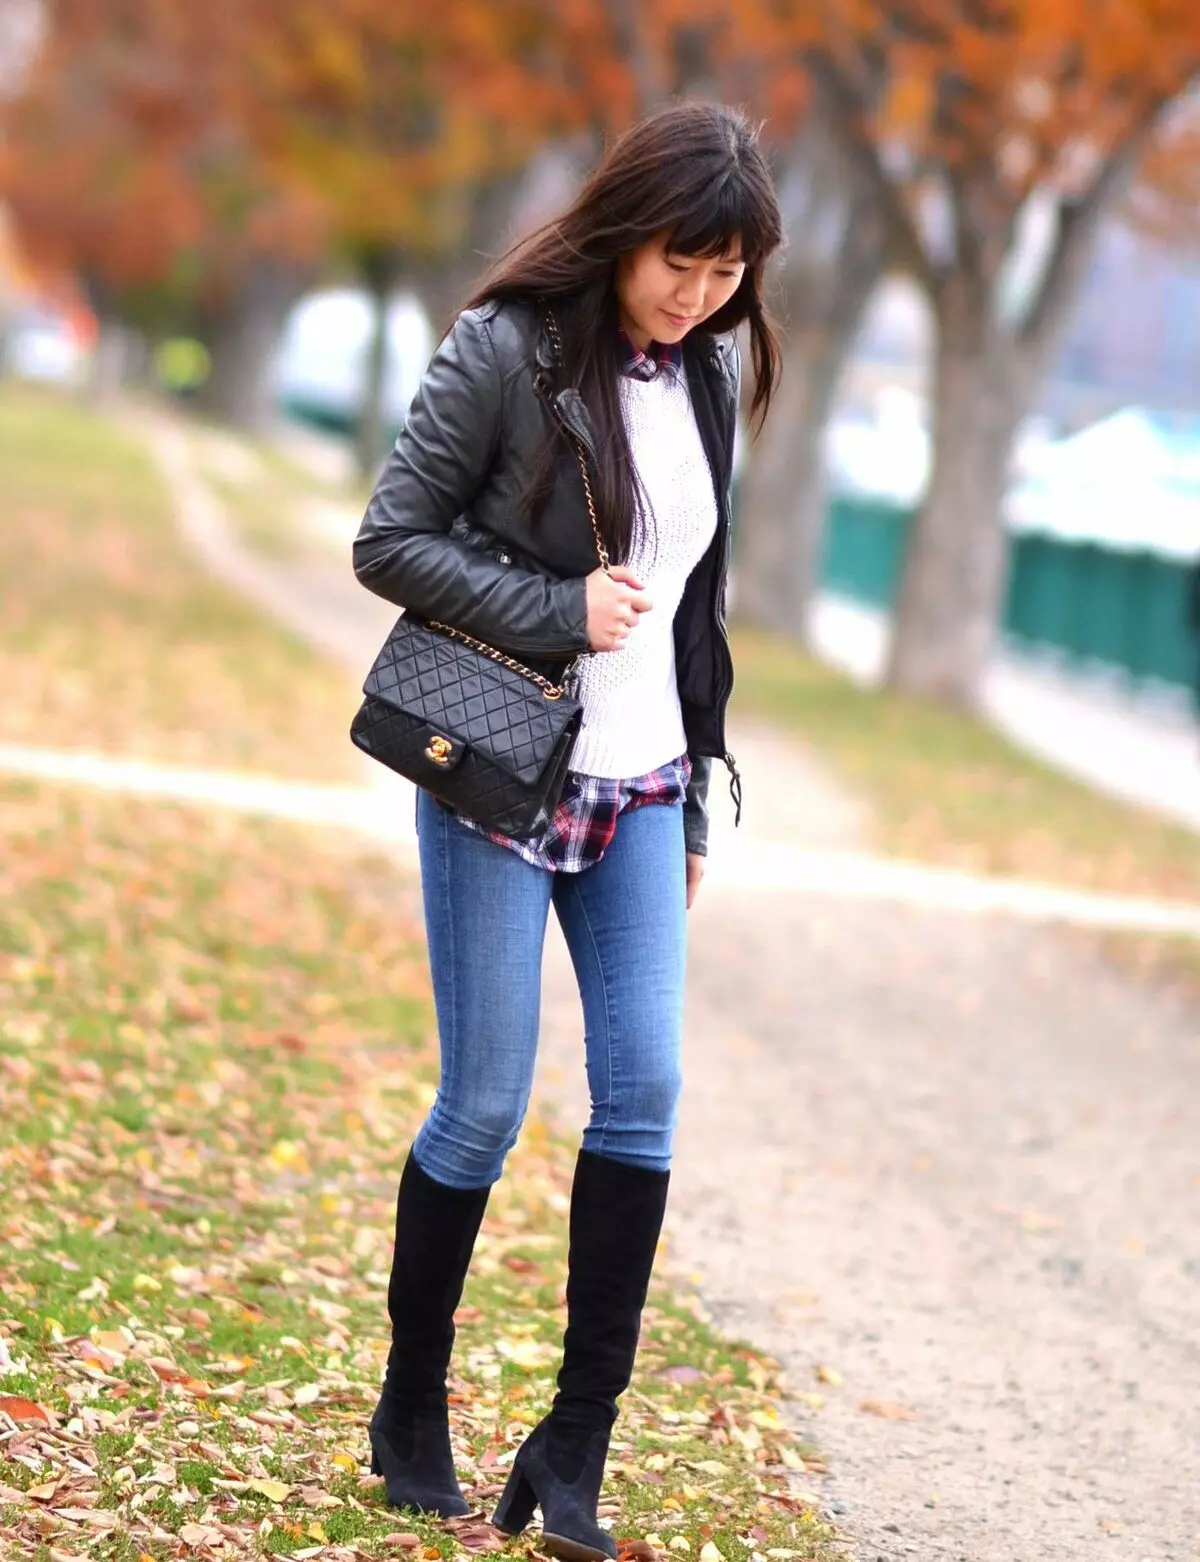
(726, 685)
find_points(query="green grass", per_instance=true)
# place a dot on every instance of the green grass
(216, 1046)
(945, 788)
(111, 638)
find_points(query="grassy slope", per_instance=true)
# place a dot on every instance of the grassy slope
(111, 639)
(947, 789)
(215, 1045)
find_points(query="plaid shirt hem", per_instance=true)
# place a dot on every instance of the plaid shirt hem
(585, 820)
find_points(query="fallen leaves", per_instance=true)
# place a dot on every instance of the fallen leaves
(476, 1537)
(200, 1535)
(273, 1491)
(98, 1518)
(198, 1212)
(18, 1409)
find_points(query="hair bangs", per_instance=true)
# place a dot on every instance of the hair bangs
(727, 212)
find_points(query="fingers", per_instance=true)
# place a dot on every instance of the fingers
(624, 576)
(636, 597)
(616, 601)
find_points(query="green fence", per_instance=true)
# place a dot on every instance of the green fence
(1094, 604)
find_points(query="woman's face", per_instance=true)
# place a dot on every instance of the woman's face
(661, 296)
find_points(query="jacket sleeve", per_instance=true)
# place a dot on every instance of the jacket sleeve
(695, 809)
(404, 551)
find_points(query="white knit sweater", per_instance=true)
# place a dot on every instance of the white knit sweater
(631, 718)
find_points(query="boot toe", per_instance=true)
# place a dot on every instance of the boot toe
(570, 1548)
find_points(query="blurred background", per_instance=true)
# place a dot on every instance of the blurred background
(938, 1150)
(990, 419)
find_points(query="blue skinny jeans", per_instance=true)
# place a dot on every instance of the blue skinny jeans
(624, 921)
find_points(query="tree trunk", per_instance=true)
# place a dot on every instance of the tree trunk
(380, 273)
(781, 496)
(838, 241)
(110, 360)
(242, 338)
(955, 568)
(106, 372)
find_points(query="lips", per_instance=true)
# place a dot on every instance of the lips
(679, 319)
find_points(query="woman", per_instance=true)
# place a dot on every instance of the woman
(618, 314)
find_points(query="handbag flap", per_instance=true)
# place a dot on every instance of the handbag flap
(477, 703)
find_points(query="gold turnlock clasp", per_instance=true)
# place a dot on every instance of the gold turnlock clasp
(439, 750)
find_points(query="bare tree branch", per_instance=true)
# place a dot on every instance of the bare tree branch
(1079, 224)
(844, 112)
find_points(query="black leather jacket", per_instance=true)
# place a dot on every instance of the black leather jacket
(445, 536)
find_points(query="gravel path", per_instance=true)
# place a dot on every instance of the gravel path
(956, 1161)
(945, 1167)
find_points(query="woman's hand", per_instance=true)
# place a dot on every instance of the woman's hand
(615, 599)
(695, 872)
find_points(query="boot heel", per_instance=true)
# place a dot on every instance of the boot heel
(376, 1467)
(515, 1508)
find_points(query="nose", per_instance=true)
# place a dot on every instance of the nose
(690, 295)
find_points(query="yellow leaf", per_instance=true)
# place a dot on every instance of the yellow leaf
(307, 1394)
(275, 1491)
(146, 1283)
(115, 1341)
(526, 1354)
(830, 1375)
(710, 1553)
(346, 1461)
(316, 1531)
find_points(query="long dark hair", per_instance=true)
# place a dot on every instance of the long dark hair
(694, 171)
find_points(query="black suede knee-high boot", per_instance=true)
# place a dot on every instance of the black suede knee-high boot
(616, 1216)
(436, 1227)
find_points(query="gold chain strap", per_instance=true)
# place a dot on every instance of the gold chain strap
(552, 691)
(605, 563)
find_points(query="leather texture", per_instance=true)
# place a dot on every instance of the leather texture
(480, 737)
(445, 533)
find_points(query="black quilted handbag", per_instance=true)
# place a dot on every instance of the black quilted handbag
(485, 735)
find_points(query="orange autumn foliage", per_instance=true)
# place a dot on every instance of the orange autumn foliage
(153, 133)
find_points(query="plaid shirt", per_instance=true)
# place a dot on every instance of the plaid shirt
(644, 365)
(585, 820)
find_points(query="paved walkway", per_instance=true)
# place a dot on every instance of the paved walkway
(386, 811)
(947, 1168)
(1145, 751)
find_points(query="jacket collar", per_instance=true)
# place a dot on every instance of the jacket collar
(698, 351)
